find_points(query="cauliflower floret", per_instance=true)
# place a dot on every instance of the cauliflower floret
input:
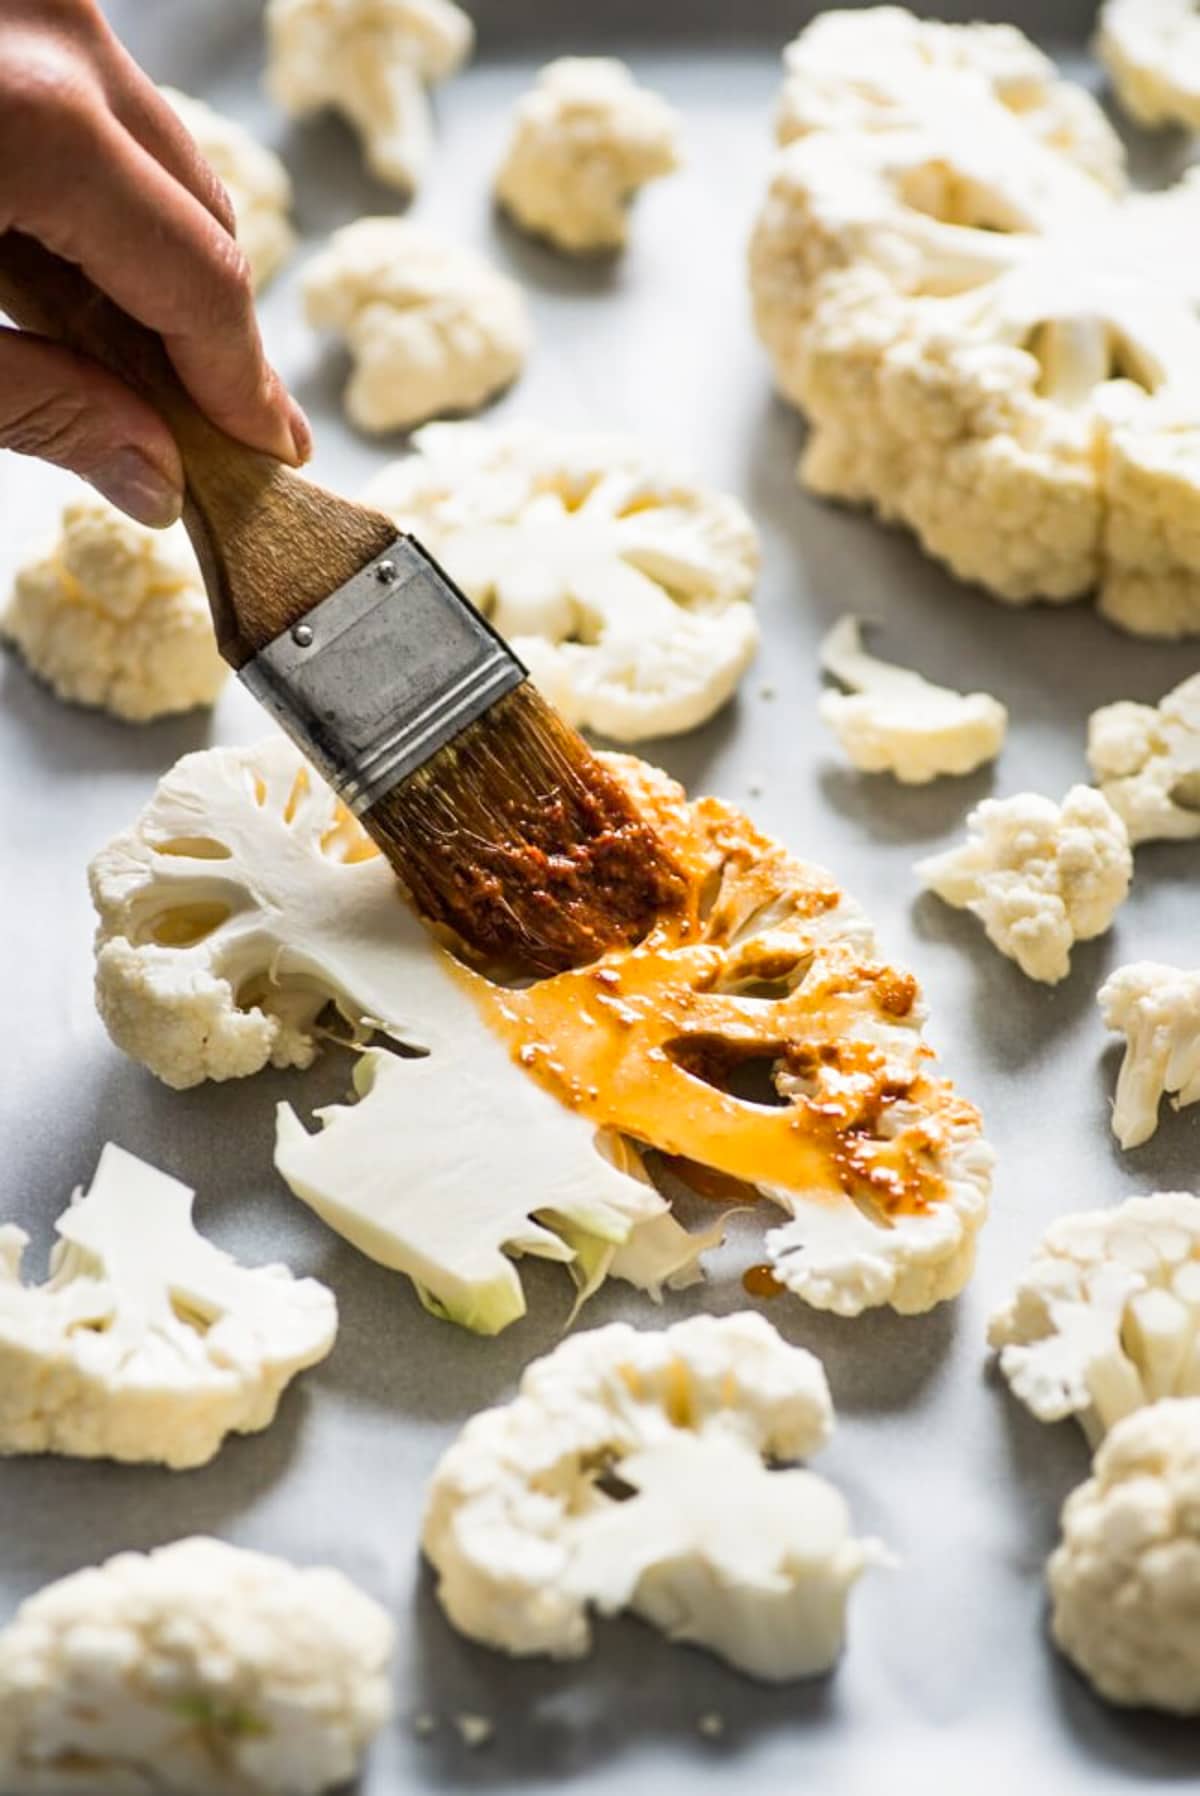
(1146, 761)
(147, 1343)
(372, 60)
(256, 181)
(114, 615)
(246, 900)
(200, 1670)
(623, 586)
(1125, 1580)
(432, 327)
(1039, 876)
(880, 69)
(990, 345)
(1151, 49)
(585, 139)
(1157, 1009)
(526, 1539)
(895, 721)
(1105, 1320)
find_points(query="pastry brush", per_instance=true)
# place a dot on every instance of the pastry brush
(495, 814)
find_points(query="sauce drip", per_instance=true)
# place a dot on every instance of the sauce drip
(760, 1281)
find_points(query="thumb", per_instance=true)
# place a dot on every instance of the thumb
(67, 410)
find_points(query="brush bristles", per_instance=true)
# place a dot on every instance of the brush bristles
(522, 842)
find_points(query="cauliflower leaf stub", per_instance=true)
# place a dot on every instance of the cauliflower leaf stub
(147, 1343)
(200, 1669)
(1107, 1317)
(993, 342)
(632, 1472)
(623, 585)
(539, 1103)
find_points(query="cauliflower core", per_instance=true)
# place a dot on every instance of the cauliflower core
(1039, 876)
(433, 328)
(894, 721)
(585, 139)
(990, 344)
(200, 1670)
(623, 586)
(147, 1343)
(632, 1473)
(372, 60)
(246, 900)
(1125, 1580)
(1105, 1320)
(1157, 1009)
(114, 615)
(256, 181)
(1151, 49)
(1146, 761)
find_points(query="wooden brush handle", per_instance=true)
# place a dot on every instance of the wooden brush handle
(270, 544)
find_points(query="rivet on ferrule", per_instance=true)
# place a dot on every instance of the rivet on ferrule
(385, 572)
(302, 636)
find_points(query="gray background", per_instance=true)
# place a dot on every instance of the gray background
(948, 1678)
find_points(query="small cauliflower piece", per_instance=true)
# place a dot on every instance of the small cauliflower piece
(1157, 1009)
(1105, 1319)
(433, 328)
(114, 615)
(623, 585)
(246, 900)
(880, 68)
(584, 140)
(1146, 761)
(1039, 876)
(895, 721)
(993, 343)
(256, 181)
(1125, 1579)
(631, 1472)
(1151, 49)
(372, 60)
(147, 1343)
(199, 1669)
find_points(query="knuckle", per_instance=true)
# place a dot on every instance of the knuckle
(42, 88)
(52, 424)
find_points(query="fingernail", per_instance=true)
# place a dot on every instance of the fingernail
(301, 431)
(132, 482)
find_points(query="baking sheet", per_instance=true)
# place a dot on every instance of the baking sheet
(948, 1678)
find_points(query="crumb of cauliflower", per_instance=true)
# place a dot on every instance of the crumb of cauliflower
(433, 328)
(1125, 1580)
(584, 140)
(1151, 49)
(199, 1669)
(114, 615)
(1039, 876)
(258, 185)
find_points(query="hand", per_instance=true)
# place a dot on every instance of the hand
(95, 164)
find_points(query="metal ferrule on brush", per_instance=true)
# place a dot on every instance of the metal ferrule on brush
(382, 674)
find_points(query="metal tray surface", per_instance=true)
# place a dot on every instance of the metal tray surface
(949, 1679)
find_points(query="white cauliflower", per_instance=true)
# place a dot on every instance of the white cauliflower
(882, 69)
(432, 327)
(632, 1473)
(114, 615)
(1125, 1580)
(1146, 761)
(584, 140)
(895, 721)
(246, 900)
(256, 181)
(1039, 876)
(1157, 1009)
(1151, 49)
(199, 1669)
(147, 1343)
(622, 585)
(990, 345)
(373, 60)
(1105, 1319)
